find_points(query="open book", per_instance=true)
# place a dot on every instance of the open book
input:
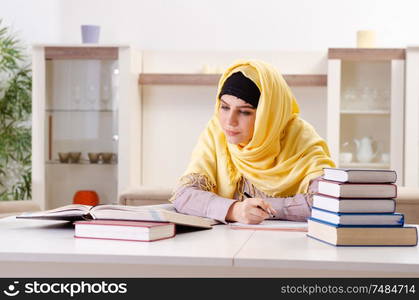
(155, 213)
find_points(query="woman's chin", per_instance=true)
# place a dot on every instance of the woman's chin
(234, 140)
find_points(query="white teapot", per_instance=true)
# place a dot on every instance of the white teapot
(364, 149)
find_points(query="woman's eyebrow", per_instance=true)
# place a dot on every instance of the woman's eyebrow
(241, 106)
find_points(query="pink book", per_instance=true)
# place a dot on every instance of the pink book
(139, 231)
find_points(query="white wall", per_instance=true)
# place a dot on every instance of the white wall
(243, 24)
(217, 24)
(33, 21)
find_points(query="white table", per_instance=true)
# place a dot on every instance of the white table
(297, 255)
(38, 248)
(47, 248)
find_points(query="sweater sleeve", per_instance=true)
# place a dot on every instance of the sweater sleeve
(194, 201)
(295, 208)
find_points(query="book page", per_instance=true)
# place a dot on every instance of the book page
(272, 225)
(67, 212)
(167, 206)
(159, 213)
(71, 207)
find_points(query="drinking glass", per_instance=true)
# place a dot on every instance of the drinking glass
(366, 98)
(349, 99)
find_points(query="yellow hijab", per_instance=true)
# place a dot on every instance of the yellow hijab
(284, 154)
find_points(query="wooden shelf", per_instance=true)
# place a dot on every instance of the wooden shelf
(81, 53)
(372, 165)
(367, 54)
(212, 79)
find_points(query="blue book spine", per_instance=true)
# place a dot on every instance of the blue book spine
(350, 225)
(358, 213)
(397, 223)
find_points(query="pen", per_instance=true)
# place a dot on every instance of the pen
(268, 212)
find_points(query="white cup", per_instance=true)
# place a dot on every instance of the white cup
(346, 157)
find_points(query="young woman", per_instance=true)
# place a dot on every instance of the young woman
(256, 158)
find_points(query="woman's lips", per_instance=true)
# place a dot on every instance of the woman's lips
(232, 133)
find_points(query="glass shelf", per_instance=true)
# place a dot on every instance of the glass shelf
(81, 162)
(81, 110)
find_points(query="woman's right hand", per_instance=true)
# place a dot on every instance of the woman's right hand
(249, 211)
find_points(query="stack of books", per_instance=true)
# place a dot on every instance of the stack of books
(356, 207)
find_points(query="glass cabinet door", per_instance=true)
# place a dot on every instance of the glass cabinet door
(366, 108)
(412, 120)
(81, 131)
(365, 114)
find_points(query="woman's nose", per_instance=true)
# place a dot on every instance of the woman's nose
(232, 119)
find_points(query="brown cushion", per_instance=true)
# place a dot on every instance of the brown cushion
(407, 194)
(145, 195)
(9, 208)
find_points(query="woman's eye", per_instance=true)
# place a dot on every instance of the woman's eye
(245, 112)
(224, 107)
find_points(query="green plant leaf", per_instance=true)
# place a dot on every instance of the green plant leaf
(15, 112)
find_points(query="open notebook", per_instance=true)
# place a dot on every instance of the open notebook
(272, 225)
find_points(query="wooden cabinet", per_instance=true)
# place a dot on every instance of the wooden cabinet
(86, 122)
(365, 110)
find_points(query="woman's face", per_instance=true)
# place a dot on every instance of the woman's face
(237, 119)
